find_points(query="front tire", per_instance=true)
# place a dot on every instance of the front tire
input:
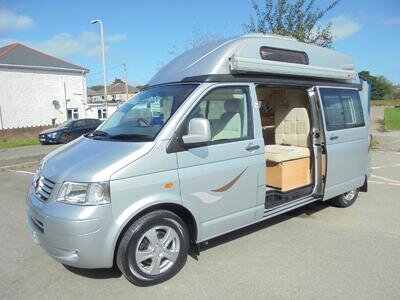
(65, 138)
(154, 248)
(346, 199)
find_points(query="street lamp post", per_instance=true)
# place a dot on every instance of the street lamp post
(104, 61)
(126, 82)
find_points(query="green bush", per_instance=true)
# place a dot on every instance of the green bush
(392, 118)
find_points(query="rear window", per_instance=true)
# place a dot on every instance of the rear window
(284, 55)
(342, 108)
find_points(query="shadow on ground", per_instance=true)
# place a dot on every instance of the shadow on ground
(95, 273)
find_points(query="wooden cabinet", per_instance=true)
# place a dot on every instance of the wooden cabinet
(288, 175)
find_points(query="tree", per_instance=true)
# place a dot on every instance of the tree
(298, 19)
(198, 38)
(381, 87)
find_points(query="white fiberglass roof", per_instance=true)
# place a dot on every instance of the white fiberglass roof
(215, 58)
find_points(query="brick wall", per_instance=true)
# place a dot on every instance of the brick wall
(21, 133)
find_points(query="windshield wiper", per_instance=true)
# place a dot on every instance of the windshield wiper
(97, 133)
(131, 136)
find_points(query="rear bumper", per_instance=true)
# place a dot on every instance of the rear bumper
(76, 236)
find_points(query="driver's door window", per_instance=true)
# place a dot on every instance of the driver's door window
(228, 111)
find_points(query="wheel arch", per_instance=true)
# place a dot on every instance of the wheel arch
(181, 211)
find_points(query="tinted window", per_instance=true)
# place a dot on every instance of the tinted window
(80, 123)
(284, 55)
(342, 108)
(229, 111)
(90, 122)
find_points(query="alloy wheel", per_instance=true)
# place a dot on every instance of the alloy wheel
(157, 250)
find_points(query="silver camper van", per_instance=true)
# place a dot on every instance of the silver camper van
(224, 136)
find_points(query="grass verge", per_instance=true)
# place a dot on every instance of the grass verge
(19, 143)
(374, 142)
(391, 102)
(392, 118)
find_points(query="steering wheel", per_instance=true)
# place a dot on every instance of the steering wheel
(141, 121)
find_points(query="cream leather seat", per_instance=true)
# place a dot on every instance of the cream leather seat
(230, 124)
(292, 132)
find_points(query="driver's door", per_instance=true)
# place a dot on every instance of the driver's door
(219, 178)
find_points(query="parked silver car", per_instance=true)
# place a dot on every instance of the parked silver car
(226, 135)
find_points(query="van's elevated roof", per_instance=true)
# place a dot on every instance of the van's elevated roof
(242, 55)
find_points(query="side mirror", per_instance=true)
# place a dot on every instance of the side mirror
(199, 131)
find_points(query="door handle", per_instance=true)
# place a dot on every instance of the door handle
(333, 137)
(252, 147)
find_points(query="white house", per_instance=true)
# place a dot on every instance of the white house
(117, 93)
(39, 89)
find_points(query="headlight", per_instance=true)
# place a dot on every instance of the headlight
(84, 193)
(53, 135)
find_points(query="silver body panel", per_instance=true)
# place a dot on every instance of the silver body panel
(86, 236)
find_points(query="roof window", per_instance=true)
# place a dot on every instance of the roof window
(284, 55)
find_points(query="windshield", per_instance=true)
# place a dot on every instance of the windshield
(143, 116)
(65, 124)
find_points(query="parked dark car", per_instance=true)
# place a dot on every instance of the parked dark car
(67, 131)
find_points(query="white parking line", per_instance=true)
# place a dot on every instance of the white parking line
(385, 179)
(384, 183)
(387, 166)
(22, 172)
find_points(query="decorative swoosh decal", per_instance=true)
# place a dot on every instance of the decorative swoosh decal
(206, 197)
(229, 184)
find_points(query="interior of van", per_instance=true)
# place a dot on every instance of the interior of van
(286, 123)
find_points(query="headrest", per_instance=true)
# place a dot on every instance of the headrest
(232, 105)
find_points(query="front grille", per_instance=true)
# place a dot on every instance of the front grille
(43, 188)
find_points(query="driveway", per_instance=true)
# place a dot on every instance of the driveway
(20, 155)
(317, 251)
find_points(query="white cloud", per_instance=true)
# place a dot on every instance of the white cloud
(10, 21)
(64, 44)
(343, 27)
(393, 21)
(114, 38)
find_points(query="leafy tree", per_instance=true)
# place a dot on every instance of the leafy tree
(381, 87)
(298, 19)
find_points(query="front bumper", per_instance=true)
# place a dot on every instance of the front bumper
(79, 236)
(44, 138)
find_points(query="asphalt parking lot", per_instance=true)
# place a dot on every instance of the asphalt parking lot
(314, 252)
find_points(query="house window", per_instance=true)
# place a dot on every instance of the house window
(72, 114)
(101, 113)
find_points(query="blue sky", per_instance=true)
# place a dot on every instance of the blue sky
(143, 34)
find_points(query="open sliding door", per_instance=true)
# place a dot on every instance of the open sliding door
(346, 139)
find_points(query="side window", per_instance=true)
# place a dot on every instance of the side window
(80, 123)
(342, 108)
(228, 110)
(91, 123)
